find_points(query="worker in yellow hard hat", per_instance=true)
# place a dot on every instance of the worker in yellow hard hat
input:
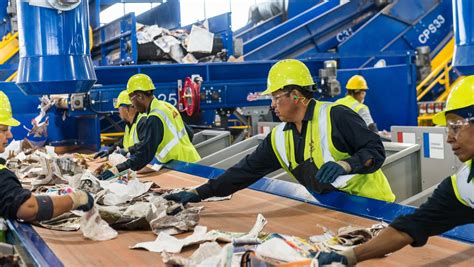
(19, 203)
(354, 99)
(134, 126)
(322, 145)
(165, 135)
(452, 203)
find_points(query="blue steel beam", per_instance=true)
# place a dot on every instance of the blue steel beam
(317, 34)
(360, 206)
(464, 30)
(233, 83)
(248, 31)
(271, 34)
(401, 26)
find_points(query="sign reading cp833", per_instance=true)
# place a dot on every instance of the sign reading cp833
(431, 29)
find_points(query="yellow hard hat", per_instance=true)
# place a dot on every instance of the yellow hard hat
(357, 82)
(288, 72)
(123, 99)
(140, 82)
(6, 117)
(461, 96)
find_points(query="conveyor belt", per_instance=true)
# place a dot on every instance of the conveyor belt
(239, 214)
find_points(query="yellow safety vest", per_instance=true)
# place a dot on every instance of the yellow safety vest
(350, 102)
(175, 144)
(464, 191)
(2, 167)
(372, 185)
(130, 136)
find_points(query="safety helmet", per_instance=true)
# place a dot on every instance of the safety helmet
(461, 96)
(140, 82)
(357, 82)
(6, 117)
(288, 72)
(123, 99)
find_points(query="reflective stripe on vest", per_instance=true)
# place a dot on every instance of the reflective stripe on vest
(130, 136)
(342, 180)
(176, 135)
(319, 132)
(464, 191)
(351, 103)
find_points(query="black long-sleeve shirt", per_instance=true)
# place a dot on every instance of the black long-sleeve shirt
(12, 194)
(349, 134)
(440, 213)
(150, 134)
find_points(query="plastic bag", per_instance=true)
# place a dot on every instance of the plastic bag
(93, 227)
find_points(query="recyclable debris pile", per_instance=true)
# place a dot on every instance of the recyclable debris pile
(123, 202)
(163, 46)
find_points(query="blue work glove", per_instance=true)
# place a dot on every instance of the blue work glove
(82, 200)
(329, 172)
(184, 197)
(325, 258)
(108, 173)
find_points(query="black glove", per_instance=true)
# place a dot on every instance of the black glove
(108, 173)
(122, 152)
(184, 197)
(101, 154)
(329, 172)
(325, 258)
(89, 205)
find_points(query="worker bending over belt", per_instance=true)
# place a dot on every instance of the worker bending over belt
(452, 203)
(356, 92)
(322, 145)
(134, 124)
(19, 203)
(165, 136)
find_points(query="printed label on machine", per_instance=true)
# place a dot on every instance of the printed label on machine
(407, 138)
(433, 145)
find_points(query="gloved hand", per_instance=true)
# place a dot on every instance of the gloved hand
(104, 153)
(108, 173)
(184, 197)
(101, 154)
(81, 200)
(346, 257)
(330, 171)
(325, 258)
(122, 152)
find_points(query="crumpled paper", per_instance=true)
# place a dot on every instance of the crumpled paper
(93, 227)
(168, 243)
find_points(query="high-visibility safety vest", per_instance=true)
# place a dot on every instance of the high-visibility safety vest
(464, 191)
(372, 185)
(175, 144)
(2, 167)
(130, 136)
(350, 102)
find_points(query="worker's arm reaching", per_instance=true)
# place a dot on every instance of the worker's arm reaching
(249, 170)
(439, 214)
(145, 150)
(19, 203)
(350, 135)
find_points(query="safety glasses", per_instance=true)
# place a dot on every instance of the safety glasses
(276, 97)
(455, 127)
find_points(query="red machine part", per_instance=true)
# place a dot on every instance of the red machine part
(189, 96)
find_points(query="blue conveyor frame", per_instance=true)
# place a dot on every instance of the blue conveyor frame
(312, 31)
(41, 255)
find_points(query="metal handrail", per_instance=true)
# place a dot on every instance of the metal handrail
(442, 76)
